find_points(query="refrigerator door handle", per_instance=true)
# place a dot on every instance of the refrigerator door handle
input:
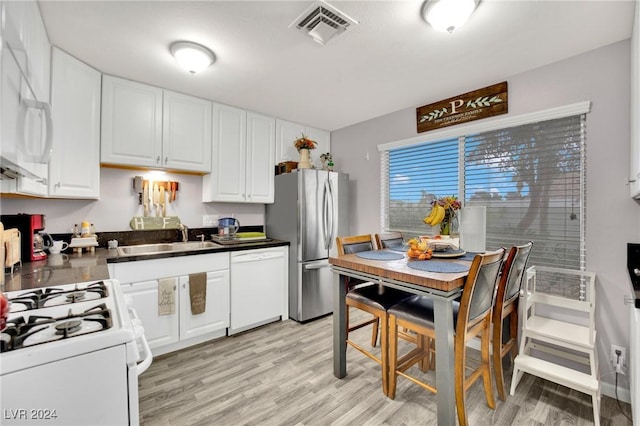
(326, 231)
(317, 265)
(331, 211)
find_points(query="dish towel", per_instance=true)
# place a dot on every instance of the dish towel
(198, 292)
(166, 296)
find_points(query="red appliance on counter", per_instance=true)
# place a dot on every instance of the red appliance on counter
(29, 225)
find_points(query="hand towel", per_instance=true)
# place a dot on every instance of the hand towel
(166, 296)
(198, 292)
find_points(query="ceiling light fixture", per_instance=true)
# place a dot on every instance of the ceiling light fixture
(448, 15)
(193, 57)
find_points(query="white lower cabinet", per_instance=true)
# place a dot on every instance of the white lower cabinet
(140, 281)
(164, 330)
(160, 330)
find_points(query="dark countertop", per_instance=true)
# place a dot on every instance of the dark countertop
(75, 268)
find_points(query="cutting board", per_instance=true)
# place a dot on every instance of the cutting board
(11, 238)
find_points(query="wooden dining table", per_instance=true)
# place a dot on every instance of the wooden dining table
(443, 288)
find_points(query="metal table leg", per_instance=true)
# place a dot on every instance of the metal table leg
(339, 326)
(445, 372)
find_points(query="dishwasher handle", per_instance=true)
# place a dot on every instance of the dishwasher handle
(254, 257)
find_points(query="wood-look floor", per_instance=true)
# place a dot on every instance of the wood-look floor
(282, 374)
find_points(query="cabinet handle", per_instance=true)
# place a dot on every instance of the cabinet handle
(158, 160)
(166, 160)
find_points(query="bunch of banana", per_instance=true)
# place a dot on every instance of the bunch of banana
(435, 215)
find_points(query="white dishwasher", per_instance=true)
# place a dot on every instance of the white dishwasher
(259, 288)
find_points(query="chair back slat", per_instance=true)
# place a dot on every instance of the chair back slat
(389, 239)
(477, 296)
(514, 268)
(354, 244)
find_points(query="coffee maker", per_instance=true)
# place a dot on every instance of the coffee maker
(29, 225)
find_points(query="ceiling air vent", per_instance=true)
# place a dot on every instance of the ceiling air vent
(322, 22)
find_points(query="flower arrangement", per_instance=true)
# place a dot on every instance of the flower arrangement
(443, 212)
(450, 202)
(304, 143)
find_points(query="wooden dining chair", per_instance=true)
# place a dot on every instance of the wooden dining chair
(472, 317)
(389, 239)
(506, 306)
(372, 298)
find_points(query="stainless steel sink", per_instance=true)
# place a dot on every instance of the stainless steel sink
(166, 248)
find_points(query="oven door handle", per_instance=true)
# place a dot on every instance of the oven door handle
(138, 330)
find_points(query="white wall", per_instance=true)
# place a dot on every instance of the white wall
(602, 76)
(118, 204)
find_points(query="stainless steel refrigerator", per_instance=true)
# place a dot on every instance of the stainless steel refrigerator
(310, 211)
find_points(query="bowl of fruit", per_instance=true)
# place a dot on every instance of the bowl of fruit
(419, 250)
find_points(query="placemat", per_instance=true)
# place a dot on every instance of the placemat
(468, 256)
(437, 266)
(380, 255)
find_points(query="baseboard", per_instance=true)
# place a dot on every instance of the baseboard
(607, 389)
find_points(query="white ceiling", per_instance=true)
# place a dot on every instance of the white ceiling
(390, 61)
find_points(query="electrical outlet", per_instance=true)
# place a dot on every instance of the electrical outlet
(618, 360)
(209, 220)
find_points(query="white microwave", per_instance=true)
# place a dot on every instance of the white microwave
(25, 129)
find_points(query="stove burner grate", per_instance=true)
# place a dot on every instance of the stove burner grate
(41, 298)
(20, 329)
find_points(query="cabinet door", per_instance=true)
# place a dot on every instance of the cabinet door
(286, 133)
(131, 123)
(38, 51)
(23, 30)
(260, 158)
(186, 132)
(160, 330)
(74, 169)
(216, 313)
(228, 174)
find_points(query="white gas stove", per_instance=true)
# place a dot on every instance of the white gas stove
(71, 354)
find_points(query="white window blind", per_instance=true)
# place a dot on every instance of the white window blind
(530, 177)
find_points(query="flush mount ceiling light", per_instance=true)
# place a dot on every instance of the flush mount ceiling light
(193, 57)
(448, 15)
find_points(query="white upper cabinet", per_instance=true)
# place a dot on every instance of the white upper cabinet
(186, 133)
(74, 168)
(131, 123)
(261, 150)
(24, 31)
(634, 170)
(287, 132)
(243, 157)
(149, 127)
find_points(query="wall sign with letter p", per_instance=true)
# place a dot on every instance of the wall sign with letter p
(470, 106)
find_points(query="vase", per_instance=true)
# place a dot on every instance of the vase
(449, 224)
(305, 159)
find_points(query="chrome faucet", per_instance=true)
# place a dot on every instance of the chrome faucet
(201, 236)
(185, 232)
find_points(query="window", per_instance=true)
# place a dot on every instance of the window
(530, 177)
